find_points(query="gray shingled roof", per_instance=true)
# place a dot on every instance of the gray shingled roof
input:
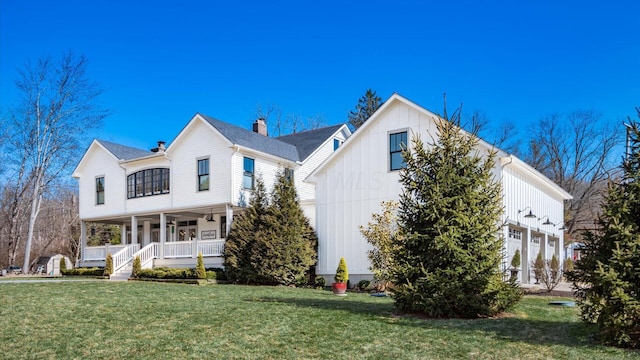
(123, 152)
(308, 141)
(294, 147)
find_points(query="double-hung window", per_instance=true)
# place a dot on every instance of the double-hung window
(397, 143)
(203, 174)
(100, 190)
(248, 174)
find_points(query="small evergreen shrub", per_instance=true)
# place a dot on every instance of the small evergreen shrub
(167, 273)
(568, 265)
(220, 274)
(63, 264)
(136, 267)
(108, 265)
(539, 267)
(363, 284)
(515, 260)
(200, 272)
(342, 273)
(95, 271)
(211, 275)
(320, 282)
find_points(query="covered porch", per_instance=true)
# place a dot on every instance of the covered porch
(172, 238)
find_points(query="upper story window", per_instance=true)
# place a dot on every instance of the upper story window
(100, 190)
(148, 182)
(203, 174)
(397, 143)
(288, 173)
(248, 174)
(336, 144)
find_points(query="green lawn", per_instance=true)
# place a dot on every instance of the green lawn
(145, 320)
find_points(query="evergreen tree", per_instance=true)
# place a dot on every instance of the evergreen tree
(271, 242)
(108, 265)
(447, 261)
(240, 245)
(290, 248)
(63, 264)
(136, 268)
(367, 105)
(200, 272)
(607, 276)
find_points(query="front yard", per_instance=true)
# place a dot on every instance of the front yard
(144, 320)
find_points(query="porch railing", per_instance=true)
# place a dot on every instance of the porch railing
(100, 252)
(211, 247)
(147, 254)
(124, 256)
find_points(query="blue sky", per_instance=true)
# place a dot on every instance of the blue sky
(160, 62)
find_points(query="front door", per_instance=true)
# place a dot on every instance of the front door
(187, 233)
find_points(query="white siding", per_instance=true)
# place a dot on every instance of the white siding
(152, 203)
(99, 162)
(353, 185)
(200, 141)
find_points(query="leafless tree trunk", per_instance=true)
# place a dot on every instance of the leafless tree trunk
(577, 152)
(56, 112)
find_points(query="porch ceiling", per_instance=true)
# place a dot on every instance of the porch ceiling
(177, 215)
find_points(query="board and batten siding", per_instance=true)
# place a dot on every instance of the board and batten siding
(99, 162)
(349, 189)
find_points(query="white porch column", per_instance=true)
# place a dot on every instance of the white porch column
(134, 230)
(123, 234)
(163, 234)
(229, 214)
(146, 233)
(194, 248)
(83, 239)
(560, 248)
(543, 246)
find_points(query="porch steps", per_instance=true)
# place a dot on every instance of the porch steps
(122, 274)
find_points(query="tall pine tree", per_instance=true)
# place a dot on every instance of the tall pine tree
(291, 247)
(367, 105)
(447, 261)
(607, 276)
(271, 242)
(241, 247)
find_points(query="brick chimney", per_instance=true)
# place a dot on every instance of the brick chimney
(260, 127)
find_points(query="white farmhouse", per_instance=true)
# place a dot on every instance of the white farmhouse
(364, 171)
(175, 202)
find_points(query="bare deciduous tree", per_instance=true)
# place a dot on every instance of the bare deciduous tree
(292, 123)
(577, 152)
(56, 111)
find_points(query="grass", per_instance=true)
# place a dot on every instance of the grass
(144, 320)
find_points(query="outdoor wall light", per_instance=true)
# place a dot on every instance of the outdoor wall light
(210, 217)
(530, 215)
(547, 222)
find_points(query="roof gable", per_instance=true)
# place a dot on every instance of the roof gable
(396, 98)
